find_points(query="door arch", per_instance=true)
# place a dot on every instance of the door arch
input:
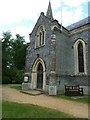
(38, 79)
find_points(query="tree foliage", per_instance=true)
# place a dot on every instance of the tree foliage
(6, 49)
(19, 49)
(13, 58)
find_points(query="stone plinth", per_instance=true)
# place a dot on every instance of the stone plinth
(26, 86)
(52, 90)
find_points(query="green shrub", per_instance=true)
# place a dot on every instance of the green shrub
(13, 76)
(6, 80)
(19, 76)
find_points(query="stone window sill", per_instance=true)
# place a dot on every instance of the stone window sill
(40, 46)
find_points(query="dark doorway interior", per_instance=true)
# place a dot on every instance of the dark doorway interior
(40, 76)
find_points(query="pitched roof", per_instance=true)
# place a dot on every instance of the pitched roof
(79, 24)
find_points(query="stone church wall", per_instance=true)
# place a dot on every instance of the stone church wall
(64, 56)
(60, 66)
(65, 62)
(43, 52)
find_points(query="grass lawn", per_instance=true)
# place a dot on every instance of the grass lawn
(16, 110)
(16, 86)
(0, 109)
(82, 99)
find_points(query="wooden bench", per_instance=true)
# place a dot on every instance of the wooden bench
(73, 90)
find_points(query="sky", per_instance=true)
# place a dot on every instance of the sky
(20, 16)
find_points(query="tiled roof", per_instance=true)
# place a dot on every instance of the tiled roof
(79, 24)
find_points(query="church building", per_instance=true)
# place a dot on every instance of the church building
(57, 55)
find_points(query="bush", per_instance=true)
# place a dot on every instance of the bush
(13, 76)
(19, 76)
(6, 73)
(6, 80)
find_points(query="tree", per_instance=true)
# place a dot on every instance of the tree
(7, 49)
(13, 58)
(19, 52)
(6, 56)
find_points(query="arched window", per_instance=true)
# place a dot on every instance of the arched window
(80, 57)
(40, 37)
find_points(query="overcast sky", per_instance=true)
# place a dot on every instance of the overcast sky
(20, 16)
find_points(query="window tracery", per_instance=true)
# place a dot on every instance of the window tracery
(40, 37)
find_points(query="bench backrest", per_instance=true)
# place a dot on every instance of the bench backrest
(68, 87)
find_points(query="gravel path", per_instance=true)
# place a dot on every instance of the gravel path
(78, 110)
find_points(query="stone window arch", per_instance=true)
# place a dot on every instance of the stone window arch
(40, 37)
(80, 57)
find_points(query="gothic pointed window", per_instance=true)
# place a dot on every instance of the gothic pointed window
(40, 37)
(43, 37)
(80, 57)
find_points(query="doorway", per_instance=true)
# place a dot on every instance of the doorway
(40, 76)
(38, 79)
